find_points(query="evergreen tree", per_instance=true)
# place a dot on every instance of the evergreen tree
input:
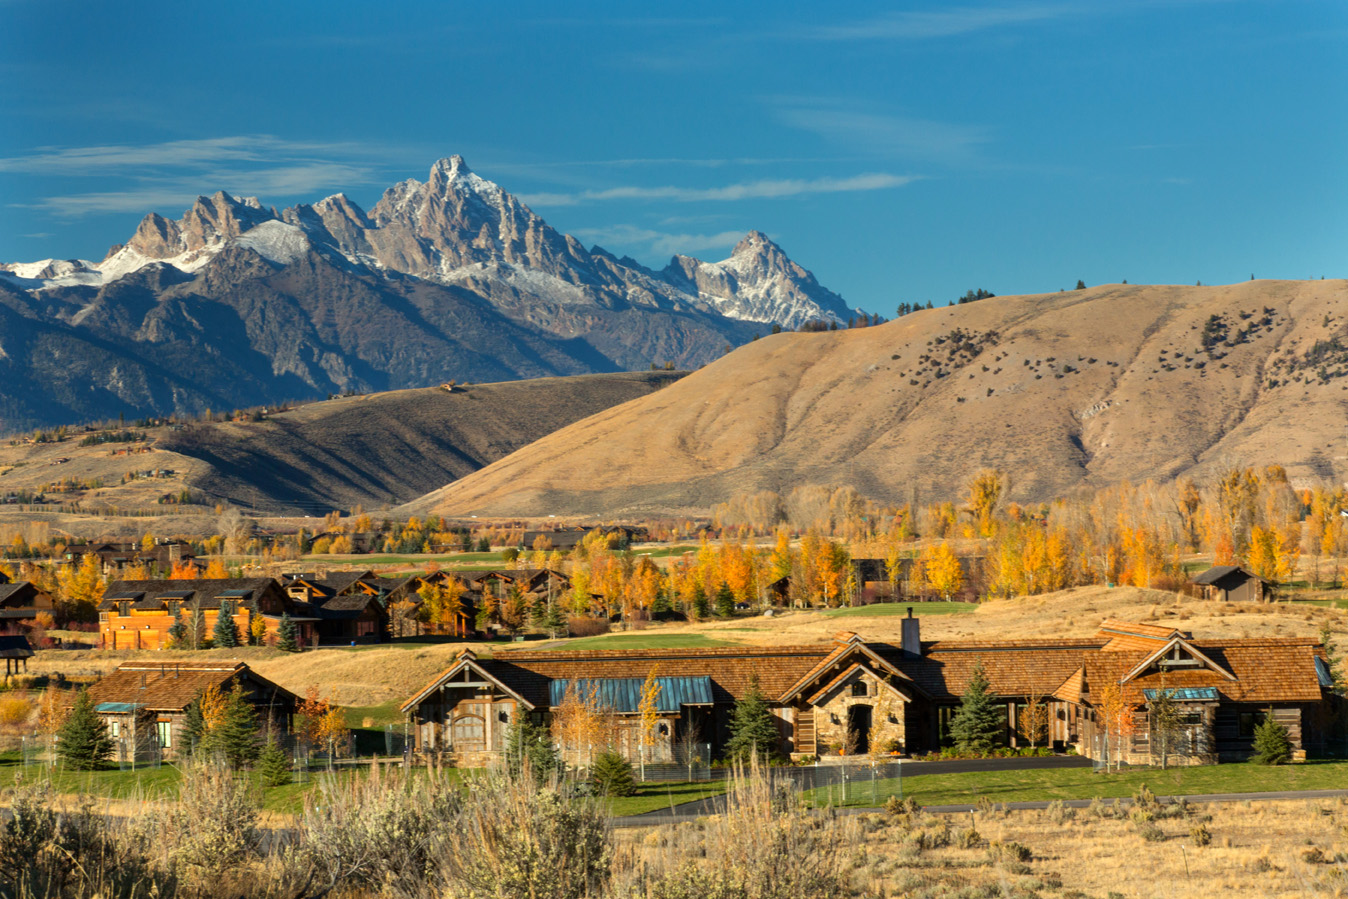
(83, 740)
(194, 726)
(234, 736)
(196, 631)
(226, 633)
(980, 723)
(700, 606)
(1272, 743)
(531, 742)
(285, 637)
(752, 730)
(274, 766)
(725, 601)
(554, 621)
(661, 604)
(1081, 285)
(611, 775)
(177, 632)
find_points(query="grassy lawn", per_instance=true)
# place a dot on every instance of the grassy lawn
(653, 796)
(885, 609)
(1083, 783)
(369, 561)
(665, 552)
(633, 641)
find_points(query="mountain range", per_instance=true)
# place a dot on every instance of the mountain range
(236, 305)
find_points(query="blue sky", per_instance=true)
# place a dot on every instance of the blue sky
(902, 152)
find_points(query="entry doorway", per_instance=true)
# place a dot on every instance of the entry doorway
(859, 729)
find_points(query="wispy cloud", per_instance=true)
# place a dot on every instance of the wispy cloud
(659, 241)
(847, 124)
(171, 175)
(950, 22)
(749, 190)
(177, 154)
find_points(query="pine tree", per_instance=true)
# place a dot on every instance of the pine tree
(1272, 743)
(234, 736)
(725, 601)
(980, 723)
(226, 633)
(531, 743)
(286, 641)
(611, 775)
(700, 606)
(274, 766)
(196, 631)
(177, 632)
(661, 604)
(752, 730)
(83, 740)
(194, 726)
(554, 622)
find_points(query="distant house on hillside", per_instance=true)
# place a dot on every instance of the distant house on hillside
(138, 614)
(1231, 583)
(145, 704)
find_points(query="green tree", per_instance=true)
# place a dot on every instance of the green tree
(234, 736)
(273, 765)
(980, 722)
(752, 730)
(531, 744)
(177, 632)
(194, 726)
(1081, 285)
(700, 606)
(611, 774)
(83, 741)
(725, 601)
(554, 620)
(285, 638)
(226, 633)
(1272, 743)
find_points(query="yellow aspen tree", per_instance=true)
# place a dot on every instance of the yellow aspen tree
(82, 586)
(985, 493)
(213, 702)
(216, 569)
(1263, 554)
(941, 570)
(648, 711)
(1117, 718)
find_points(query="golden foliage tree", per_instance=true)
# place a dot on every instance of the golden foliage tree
(82, 586)
(941, 569)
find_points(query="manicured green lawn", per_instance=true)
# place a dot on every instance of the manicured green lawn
(653, 796)
(884, 609)
(1083, 783)
(634, 641)
(664, 552)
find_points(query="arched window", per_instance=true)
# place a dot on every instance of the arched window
(468, 732)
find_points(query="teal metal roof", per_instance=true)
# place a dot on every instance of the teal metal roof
(117, 708)
(1322, 672)
(1186, 694)
(623, 694)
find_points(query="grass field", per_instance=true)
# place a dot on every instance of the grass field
(491, 559)
(653, 796)
(886, 609)
(1083, 783)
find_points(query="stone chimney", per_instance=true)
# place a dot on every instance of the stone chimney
(912, 634)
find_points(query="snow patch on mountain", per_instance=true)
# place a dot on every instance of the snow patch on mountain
(276, 241)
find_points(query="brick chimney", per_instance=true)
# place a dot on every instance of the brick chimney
(912, 634)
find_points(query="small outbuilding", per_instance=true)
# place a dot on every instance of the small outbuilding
(1232, 583)
(15, 651)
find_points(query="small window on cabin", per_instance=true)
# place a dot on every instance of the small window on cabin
(860, 689)
(164, 731)
(1248, 722)
(123, 608)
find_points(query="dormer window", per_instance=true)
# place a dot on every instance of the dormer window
(123, 608)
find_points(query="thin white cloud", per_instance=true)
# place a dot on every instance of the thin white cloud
(659, 241)
(881, 134)
(929, 24)
(99, 160)
(749, 190)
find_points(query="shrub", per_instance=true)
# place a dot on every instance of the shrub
(14, 711)
(1200, 834)
(611, 775)
(213, 826)
(1272, 743)
(587, 627)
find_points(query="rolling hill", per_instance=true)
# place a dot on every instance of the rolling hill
(1064, 391)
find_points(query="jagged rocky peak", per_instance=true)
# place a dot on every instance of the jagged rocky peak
(209, 222)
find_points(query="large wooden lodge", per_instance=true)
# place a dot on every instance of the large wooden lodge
(856, 696)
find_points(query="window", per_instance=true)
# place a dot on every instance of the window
(1248, 722)
(114, 729)
(860, 689)
(468, 732)
(164, 732)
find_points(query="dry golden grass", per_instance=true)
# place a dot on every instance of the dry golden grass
(1257, 849)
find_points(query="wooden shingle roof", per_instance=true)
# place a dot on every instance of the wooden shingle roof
(171, 687)
(1132, 635)
(1266, 670)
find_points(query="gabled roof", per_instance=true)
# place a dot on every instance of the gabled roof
(1266, 670)
(1218, 572)
(1164, 650)
(850, 646)
(1072, 689)
(171, 686)
(205, 593)
(467, 661)
(15, 648)
(842, 678)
